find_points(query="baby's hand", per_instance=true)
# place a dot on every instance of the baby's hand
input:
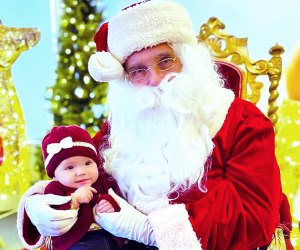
(104, 206)
(83, 195)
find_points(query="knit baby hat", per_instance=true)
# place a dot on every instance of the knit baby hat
(63, 142)
(141, 25)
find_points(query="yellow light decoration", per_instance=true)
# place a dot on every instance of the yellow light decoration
(14, 168)
(288, 139)
(293, 76)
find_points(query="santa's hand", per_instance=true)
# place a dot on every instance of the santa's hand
(49, 221)
(129, 223)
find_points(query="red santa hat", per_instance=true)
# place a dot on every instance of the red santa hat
(64, 142)
(136, 27)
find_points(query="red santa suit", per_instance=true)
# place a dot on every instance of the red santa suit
(238, 211)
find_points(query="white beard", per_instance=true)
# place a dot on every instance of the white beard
(160, 138)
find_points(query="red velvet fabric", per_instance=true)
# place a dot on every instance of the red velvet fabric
(240, 210)
(100, 37)
(232, 76)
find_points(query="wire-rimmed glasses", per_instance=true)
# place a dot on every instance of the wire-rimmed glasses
(138, 75)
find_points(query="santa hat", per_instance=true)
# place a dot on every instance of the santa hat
(64, 142)
(136, 27)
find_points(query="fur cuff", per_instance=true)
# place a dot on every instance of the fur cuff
(172, 229)
(37, 188)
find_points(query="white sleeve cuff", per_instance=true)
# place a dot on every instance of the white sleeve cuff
(37, 188)
(172, 229)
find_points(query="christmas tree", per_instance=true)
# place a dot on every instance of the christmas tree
(76, 98)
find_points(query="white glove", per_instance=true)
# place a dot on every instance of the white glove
(49, 221)
(129, 223)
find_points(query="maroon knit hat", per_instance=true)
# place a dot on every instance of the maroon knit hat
(64, 142)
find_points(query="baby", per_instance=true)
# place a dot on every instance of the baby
(72, 161)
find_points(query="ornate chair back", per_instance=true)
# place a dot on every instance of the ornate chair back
(227, 48)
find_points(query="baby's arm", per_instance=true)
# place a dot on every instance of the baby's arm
(82, 195)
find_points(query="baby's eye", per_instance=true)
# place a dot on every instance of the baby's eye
(88, 163)
(69, 167)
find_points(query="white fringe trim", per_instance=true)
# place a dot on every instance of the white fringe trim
(37, 188)
(173, 230)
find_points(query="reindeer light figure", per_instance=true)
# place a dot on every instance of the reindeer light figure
(14, 158)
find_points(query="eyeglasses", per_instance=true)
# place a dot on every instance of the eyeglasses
(138, 75)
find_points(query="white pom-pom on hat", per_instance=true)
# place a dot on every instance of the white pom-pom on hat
(104, 67)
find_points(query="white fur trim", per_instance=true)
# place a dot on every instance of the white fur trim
(147, 24)
(226, 98)
(37, 188)
(104, 67)
(172, 229)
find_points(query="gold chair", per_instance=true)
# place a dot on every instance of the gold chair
(228, 48)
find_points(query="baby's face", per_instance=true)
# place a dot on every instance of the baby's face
(77, 171)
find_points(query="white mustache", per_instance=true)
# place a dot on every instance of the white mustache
(166, 94)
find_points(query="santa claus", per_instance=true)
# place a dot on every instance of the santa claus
(194, 164)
